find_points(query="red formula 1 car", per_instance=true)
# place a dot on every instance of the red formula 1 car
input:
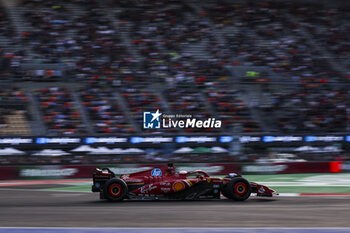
(165, 183)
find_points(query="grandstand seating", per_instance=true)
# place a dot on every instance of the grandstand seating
(14, 117)
(6, 28)
(59, 113)
(104, 111)
(14, 123)
(329, 27)
(232, 109)
(173, 56)
(317, 112)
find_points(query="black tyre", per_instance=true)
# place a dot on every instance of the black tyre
(225, 192)
(115, 189)
(237, 189)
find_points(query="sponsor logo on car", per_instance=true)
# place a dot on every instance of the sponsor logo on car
(178, 186)
(165, 184)
(125, 177)
(156, 172)
(134, 181)
(166, 190)
(146, 189)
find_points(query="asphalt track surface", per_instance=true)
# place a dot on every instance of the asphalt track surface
(20, 207)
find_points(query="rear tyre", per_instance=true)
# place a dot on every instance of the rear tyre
(237, 189)
(115, 190)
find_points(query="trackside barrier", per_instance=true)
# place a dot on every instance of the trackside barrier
(335, 166)
(290, 168)
(85, 171)
(345, 166)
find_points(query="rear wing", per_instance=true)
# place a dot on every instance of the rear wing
(104, 170)
(99, 177)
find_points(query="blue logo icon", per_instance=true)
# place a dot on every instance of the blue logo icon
(156, 172)
(268, 139)
(90, 140)
(310, 138)
(226, 139)
(41, 140)
(136, 139)
(181, 139)
(151, 120)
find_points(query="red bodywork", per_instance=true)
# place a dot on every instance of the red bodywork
(164, 181)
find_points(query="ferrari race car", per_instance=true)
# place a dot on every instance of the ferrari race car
(164, 183)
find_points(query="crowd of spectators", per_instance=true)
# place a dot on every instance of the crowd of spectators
(272, 34)
(310, 111)
(10, 62)
(94, 41)
(104, 111)
(162, 32)
(264, 35)
(164, 24)
(49, 36)
(187, 101)
(329, 26)
(59, 113)
(142, 100)
(6, 28)
(232, 109)
(79, 35)
(13, 94)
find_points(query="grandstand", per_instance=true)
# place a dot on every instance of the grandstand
(83, 68)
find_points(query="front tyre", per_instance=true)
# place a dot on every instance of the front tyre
(238, 189)
(115, 189)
